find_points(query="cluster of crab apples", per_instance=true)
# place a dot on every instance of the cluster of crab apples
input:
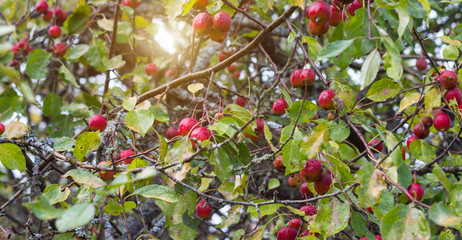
(215, 27)
(297, 226)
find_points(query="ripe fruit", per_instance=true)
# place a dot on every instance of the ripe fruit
(453, 93)
(312, 170)
(319, 12)
(2, 128)
(277, 163)
(41, 6)
(306, 75)
(294, 180)
(23, 44)
(258, 131)
(421, 64)
(239, 101)
(448, 79)
(286, 233)
(378, 237)
(127, 153)
(322, 186)
(217, 36)
(103, 174)
(295, 223)
(201, 134)
(442, 122)
(172, 132)
(325, 99)
(202, 23)
(369, 209)
(151, 69)
(223, 55)
(60, 49)
(318, 28)
(60, 15)
(203, 210)
(416, 191)
(403, 152)
(129, 3)
(236, 75)
(309, 210)
(355, 5)
(427, 121)
(378, 148)
(97, 122)
(280, 106)
(409, 141)
(48, 15)
(336, 16)
(222, 22)
(186, 125)
(304, 189)
(421, 131)
(54, 31)
(200, 4)
(231, 68)
(170, 72)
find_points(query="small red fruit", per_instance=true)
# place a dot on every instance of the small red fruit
(442, 122)
(421, 131)
(403, 152)
(172, 132)
(295, 223)
(231, 68)
(369, 209)
(427, 121)
(286, 233)
(41, 6)
(239, 101)
(201, 134)
(54, 31)
(410, 140)
(127, 153)
(318, 28)
(170, 72)
(319, 12)
(2, 128)
(203, 210)
(151, 69)
(374, 142)
(97, 122)
(448, 79)
(23, 44)
(309, 210)
(421, 64)
(186, 125)
(60, 15)
(105, 175)
(336, 16)
(258, 131)
(294, 180)
(200, 4)
(355, 5)
(378, 237)
(304, 189)
(217, 36)
(325, 99)
(280, 106)
(295, 78)
(48, 15)
(202, 23)
(416, 191)
(60, 49)
(322, 186)
(278, 165)
(306, 75)
(222, 22)
(223, 55)
(453, 93)
(312, 171)
(129, 3)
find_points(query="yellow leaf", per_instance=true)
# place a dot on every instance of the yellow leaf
(195, 87)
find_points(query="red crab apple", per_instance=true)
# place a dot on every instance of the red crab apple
(286, 233)
(201, 134)
(127, 154)
(103, 174)
(336, 16)
(378, 237)
(295, 223)
(355, 5)
(312, 170)
(151, 69)
(54, 31)
(223, 55)
(231, 68)
(60, 15)
(325, 99)
(427, 121)
(421, 131)
(239, 101)
(222, 22)
(41, 6)
(369, 209)
(448, 79)
(2, 128)
(304, 189)
(403, 152)
(460, 108)
(410, 140)
(186, 125)
(453, 93)
(203, 210)
(23, 44)
(421, 64)
(442, 122)
(200, 4)
(295, 78)
(322, 186)
(258, 131)
(309, 210)
(172, 132)
(60, 49)
(318, 28)
(129, 3)
(294, 180)
(306, 75)
(416, 191)
(48, 15)
(277, 163)
(169, 73)
(378, 148)
(319, 12)
(280, 106)
(202, 23)
(97, 122)
(217, 36)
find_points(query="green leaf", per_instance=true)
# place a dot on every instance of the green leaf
(291, 37)
(87, 142)
(129, 103)
(52, 105)
(68, 76)
(78, 20)
(139, 121)
(53, 193)
(409, 99)
(85, 178)
(308, 112)
(243, 114)
(423, 151)
(174, 8)
(370, 69)
(404, 175)
(37, 63)
(64, 144)
(372, 183)
(451, 52)
(43, 210)
(325, 223)
(441, 215)
(359, 225)
(403, 20)
(114, 63)
(159, 114)
(11, 157)
(339, 132)
(115, 209)
(383, 89)
(76, 216)
(447, 235)
(316, 141)
(442, 177)
(15, 77)
(313, 46)
(334, 49)
(264, 209)
(137, 163)
(273, 183)
(404, 222)
(432, 99)
(157, 192)
(76, 52)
